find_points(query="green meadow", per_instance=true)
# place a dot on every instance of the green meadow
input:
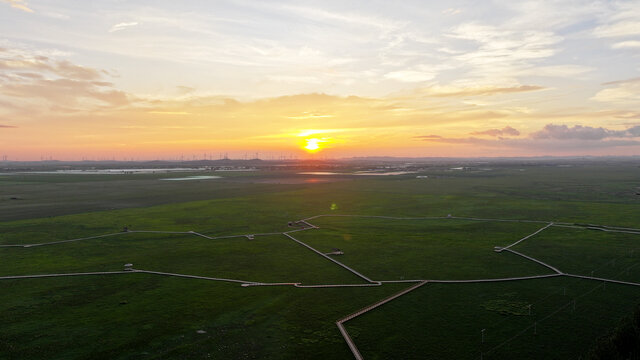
(146, 316)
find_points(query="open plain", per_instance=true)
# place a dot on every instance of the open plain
(528, 260)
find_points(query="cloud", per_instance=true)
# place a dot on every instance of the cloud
(33, 80)
(550, 139)
(444, 91)
(620, 19)
(565, 70)
(319, 14)
(184, 90)
(122, 26)
(506, 131)
(306, 115)
(532, 146)
(631, 44)
(429, 137)
(34, 65)
(618, 29)
(410, 75)
(169, 112)
(502, 52)
(626, 81)
(294, 79)
(418, 73)
(66, 92)
(451, 11)
(19, 4)
(7, 126)
(564, 132)
(624, 91)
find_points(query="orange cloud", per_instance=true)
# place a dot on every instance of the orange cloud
(19, 4)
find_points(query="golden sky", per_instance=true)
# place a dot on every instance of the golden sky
(165, 79)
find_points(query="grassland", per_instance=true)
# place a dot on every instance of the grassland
(424, 249)
(444, 321)
(588, 252)
(147, 316)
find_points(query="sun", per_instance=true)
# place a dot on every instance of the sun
(312, 145)
(309, 141)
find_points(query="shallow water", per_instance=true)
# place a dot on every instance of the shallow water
(112, 171)
(203, 177)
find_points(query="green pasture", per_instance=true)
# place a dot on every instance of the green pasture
(385, 249)
(444, 321)
(144, 316)
(587, 252)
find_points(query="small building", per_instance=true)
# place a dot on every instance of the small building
(128, 267)
(335, 251)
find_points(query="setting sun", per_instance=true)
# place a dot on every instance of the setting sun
(312, 145)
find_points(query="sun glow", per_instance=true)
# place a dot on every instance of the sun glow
(312, 145)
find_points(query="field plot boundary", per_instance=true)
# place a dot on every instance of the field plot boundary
(305, 224)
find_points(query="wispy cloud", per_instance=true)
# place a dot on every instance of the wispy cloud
(306, 115)
(552, 139)
(561, 70)
(418, 73)
(557, 136)
(625, 81)
(564, 132)
(344, 17)
(630, 44)
(122, 26)
(19, 4)
(444, 91)
(619, 29)
(33, 80)
(7, 126)
(451, 11)
(307, 79)
(321, 131)
(502, 52)
(506, 131)
(410, 75)
(620, 91)
(170, 112)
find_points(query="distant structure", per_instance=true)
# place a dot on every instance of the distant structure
(128, 267)
(296, 223)
(250, 237)
(335, 252)
(125, 229)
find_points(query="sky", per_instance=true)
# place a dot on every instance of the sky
(322, 79)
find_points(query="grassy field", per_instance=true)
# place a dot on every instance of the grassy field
(587, 252)
(444, 321)
(138, 316)
(264, 259)
(145, 316)
(424, 249)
